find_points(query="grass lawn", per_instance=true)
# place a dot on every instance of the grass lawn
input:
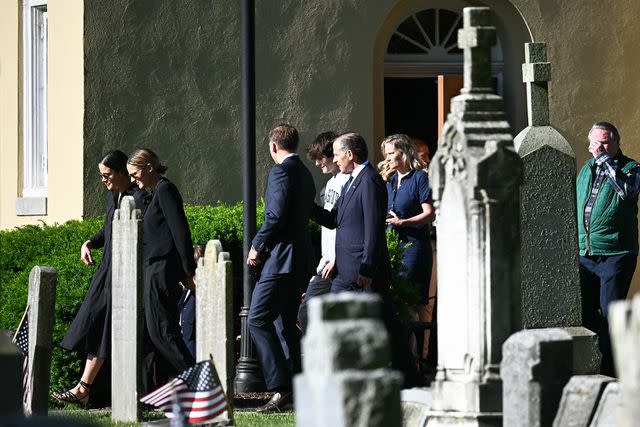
(253, 419)
(243, 419)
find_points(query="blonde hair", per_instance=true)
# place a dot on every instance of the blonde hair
(402, 143)
(198, 252)
(145, 156)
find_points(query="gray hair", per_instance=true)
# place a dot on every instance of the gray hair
(614, 135)
(355, 142)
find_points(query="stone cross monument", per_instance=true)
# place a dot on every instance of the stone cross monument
(536, 73)
(126, 324)
(550, 279)
(214, 312)
(476, 177)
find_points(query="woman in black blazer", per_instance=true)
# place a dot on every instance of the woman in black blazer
(90, 331)
(168, 260)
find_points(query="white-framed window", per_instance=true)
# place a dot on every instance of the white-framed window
(34, 151)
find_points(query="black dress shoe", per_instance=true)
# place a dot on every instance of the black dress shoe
(280, 402)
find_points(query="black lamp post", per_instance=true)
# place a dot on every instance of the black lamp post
(248, 374)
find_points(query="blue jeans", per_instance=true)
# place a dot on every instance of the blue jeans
(187, 306)
(317, 286)
(604, 279)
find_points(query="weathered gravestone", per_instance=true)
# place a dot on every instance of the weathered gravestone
(624, 321)
(42, 301)
(214, 312)
(580, 399)
(126, 322)
(11, 373)
(536, 365)
(586, 355)
(415, 406)
(609, 410)
(476, 177)
(346, 381)
(550, 280)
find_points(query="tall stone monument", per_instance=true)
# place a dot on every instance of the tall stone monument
(549, 268)
(550, 280)
(214, 312)
(476, 176)
(42, 301)
(126, 323)
(346, 380)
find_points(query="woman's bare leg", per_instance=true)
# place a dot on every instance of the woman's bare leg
(414, 315)
(91, 369)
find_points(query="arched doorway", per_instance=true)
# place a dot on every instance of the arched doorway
(418, 66)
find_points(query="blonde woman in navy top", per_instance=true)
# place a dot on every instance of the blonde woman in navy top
(410, 213)
(409, 207)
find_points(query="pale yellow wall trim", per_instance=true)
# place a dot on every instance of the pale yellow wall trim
(66, 108)
(9, 108)
(65, 112)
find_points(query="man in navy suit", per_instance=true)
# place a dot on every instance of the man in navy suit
(362, 259)
(283, 248)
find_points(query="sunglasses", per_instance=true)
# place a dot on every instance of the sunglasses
(136, 175)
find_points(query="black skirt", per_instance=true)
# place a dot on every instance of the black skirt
(90, 331)
(161, 295)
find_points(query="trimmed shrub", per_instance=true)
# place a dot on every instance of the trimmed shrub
(58, 246)
(403, 292)
(53, 246)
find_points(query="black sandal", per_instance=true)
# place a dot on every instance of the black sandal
(73, 398)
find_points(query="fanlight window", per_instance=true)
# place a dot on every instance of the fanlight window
(430, 34)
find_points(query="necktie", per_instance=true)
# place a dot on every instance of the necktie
(345, 188)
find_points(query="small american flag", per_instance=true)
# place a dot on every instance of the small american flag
(21, 339)
(198, 392)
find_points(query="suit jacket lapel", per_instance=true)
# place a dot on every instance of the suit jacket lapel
(350, 192)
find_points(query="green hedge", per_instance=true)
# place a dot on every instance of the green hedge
(59, 247)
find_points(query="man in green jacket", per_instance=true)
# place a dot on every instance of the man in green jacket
(607, 195)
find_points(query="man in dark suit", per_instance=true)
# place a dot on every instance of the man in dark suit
(362, 259)
(283, 247)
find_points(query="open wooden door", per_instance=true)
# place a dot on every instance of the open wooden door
(448, 87)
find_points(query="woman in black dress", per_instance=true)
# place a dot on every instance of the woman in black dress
(90, 331)
(168, 260)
